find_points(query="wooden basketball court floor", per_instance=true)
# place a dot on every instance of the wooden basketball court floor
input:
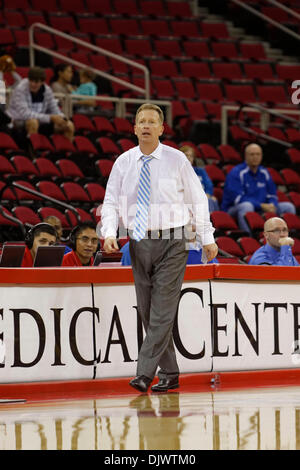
(197, 416)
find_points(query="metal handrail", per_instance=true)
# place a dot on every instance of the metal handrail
(47, 198)
(266, 137)
(229, 255)
(34, 46)
(266, 18)
(285, 8)
(263, 122)
(277, 113)
(13, 219)
(120, 103)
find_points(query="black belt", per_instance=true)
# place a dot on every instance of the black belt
(164, 234)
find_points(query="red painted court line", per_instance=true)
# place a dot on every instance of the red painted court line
(189, 383)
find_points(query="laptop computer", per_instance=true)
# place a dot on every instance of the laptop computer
(12, 256)
(49, 256)
(98, 258)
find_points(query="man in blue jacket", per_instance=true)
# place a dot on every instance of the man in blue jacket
(278, 248)
(249, 187)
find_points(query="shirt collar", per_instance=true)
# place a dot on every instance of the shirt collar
(272, 251)
(156, 153)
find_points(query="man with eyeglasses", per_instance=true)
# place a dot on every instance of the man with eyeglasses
(84, 243)
(278, 248)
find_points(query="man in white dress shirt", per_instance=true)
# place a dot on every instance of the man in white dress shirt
(177, 200)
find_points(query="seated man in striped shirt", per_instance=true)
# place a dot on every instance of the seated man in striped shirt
(32, 105)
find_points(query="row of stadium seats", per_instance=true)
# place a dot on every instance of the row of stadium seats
(105, 7)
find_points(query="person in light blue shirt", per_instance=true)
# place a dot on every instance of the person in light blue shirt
(278, 248)
(194, 257)
(249, 187)
(87, 87)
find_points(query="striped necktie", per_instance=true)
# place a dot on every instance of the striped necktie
(143, 201)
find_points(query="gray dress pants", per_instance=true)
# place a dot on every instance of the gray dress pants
(158, 267)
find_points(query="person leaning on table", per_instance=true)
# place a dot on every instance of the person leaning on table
(41, 234)
(155, 192)
(278, 248)
(83, 241)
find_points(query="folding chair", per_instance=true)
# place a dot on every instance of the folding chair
(214, 30)
(185, 29)
(6, 167)
(215, 173)
(24, 166)
(230, 71)
(169, 48)
(108, 147)
(291, 178)
(226, 50)
(195, 70)
(74, 192)
(179, 9)
(126, 7)
(229, 154)
(84, 145)
(104, 167)
(252, 51)
(83, 123)
(152, 8)
(163, 68)
(49, 188)
(69, 169)
(230, 246)
(26, 215)
(157, 28)
(197, 49)
(255, 221)
(45, 212)
(271, 94)
(209, 153)
(249, 245)
(95, 191)
(46, 168)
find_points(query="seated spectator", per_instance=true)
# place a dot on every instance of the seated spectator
(9, 79)
(278, 248)
(194, 257)
(42, 234)
(56, 223)
(87, 87)
(8, 69)
(249, 187)
(61, 81)
(83, 242)
(32, 105)
(203, 177)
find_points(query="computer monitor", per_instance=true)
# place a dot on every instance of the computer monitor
(49, 256)
(12, 256)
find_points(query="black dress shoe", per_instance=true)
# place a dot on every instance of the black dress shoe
(141, 383)
(166, 384)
